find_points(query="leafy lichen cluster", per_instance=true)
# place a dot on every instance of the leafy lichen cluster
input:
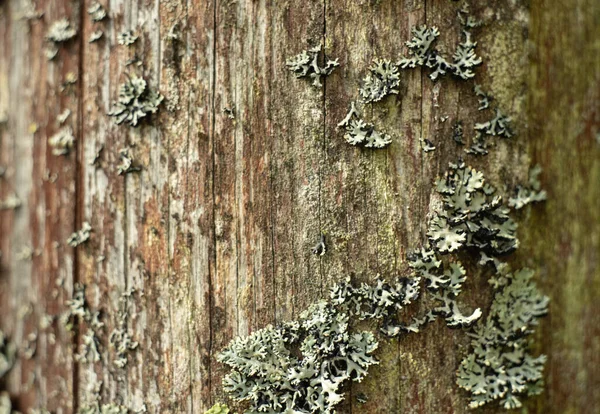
(472, 215)
(79, 312)
(530, 193)
(500, 366)
(267, 371)
(127, 164)
(422, 53)
(359, 132)
(59, 32)
(300, 366)
(136, 101)
(306, 64)
(383, 79)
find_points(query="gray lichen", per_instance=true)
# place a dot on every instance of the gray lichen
(301, 366)
(445, 285)
(359, 132)
(499, 125)
(127, 165)
(8, 352)
(298, 366)
(499, 366)
(62, 142)
(383, 79)
(306, 64)
(120, 339)
(320, 248)
(472, 216)
(96, 35)
(484, 99)
(530, 193)
(59, 32)
(136, 101)
(457, 133)
(97, 12)
(218, 408)
(422, 53)
(80, 236)
(78, 312)
(427, 145)
(127, 38)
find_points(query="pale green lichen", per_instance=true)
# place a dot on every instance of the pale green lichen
(306, 64)
(218, 408)
(136, 101)
(127, 164)
(472, 216)
(361, 133)
(383, 79)
(422, 53)
(62, 142)
(78, 312)
(80, 236)
(499, 366)
(267, 372)
(127, 38)
(8, 352)
(97, 12)
(59, 32)
(530, 193)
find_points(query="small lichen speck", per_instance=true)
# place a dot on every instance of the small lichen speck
(62, 142)
(80, 236)
(306, 64)
(359, 132)
(530, 193)
(127, 38)
(218, 408)
(320, 248)
(60, 32)
(95, 36)
(97, 12)
(127, 165)
(136, 101)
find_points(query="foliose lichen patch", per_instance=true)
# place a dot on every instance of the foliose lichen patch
(306, 64)
(136, 101)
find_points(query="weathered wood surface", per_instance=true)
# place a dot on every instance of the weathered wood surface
(214, 234)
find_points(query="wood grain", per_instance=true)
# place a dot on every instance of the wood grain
(244, 167)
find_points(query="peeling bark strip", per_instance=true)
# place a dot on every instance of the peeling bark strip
(215, 233)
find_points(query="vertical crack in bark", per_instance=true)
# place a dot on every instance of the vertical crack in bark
(324, 144)
(271, 172)
(214, 207)
(79, 180)
(192, 308)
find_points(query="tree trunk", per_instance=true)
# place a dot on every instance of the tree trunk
(243, 167)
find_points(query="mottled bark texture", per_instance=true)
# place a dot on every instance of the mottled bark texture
(243, 168)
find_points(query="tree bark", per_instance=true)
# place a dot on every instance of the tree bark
(243, 168)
